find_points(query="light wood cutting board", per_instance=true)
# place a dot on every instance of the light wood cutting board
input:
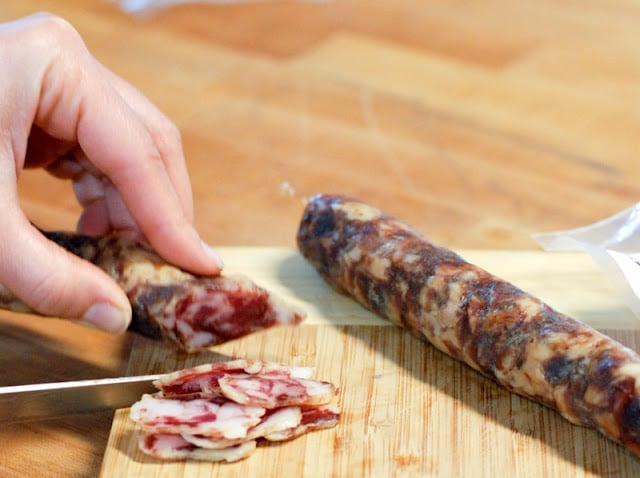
(407, 409)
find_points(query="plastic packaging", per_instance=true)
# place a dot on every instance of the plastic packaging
(142, 7)
(614, 244)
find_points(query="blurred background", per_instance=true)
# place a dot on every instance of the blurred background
(478, 122)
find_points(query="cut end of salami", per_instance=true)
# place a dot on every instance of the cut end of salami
(168, 303)
(202, 312)
(221, 411)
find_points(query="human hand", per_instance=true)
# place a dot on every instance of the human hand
(62, 110)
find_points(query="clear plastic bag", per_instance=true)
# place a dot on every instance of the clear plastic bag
(142, 7)
(614, 244)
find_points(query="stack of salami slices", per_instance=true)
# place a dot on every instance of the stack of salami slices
(218, 411)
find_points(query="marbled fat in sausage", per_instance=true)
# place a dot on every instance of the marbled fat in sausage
(176, 447)
(192, 311)
(488, 323)
(218, 411)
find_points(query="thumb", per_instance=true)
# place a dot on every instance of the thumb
(54, 282)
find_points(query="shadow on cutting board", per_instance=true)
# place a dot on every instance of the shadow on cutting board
(44, 350)
(477, 394)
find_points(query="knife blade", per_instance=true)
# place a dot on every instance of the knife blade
(45, 400)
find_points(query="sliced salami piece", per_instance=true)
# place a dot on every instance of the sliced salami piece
(212, 443)
(488, 323)
(270, 391)
(228, 420)
(248, 401)
(312, 418)
(202, 380)
(194, 312)
(175, 447)
(277, 421)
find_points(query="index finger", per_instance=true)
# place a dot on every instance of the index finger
(164, 134)
(78, 102)
(133, 162)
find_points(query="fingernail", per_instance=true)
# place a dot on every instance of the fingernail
(213, 254)
(107, 317)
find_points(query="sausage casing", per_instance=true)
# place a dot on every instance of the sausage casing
(193, 312)
(490, 324)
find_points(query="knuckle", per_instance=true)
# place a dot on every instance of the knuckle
(46, 32)
(57, 28)
(173, 133)
(169, 137)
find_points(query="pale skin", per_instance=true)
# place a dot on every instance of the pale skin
(61, 110)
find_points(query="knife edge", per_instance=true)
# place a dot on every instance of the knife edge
(73, 384)
(19, 403)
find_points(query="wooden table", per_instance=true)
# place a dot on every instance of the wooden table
(478, 122)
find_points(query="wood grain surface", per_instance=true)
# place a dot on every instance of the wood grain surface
(478, 122)
(407, 409)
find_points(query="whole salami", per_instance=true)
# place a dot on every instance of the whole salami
(488, 323)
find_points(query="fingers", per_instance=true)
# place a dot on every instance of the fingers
(104, 210)
(42, 150)
(165, 136)
(128, 141)
(58, 100)
(148, 187)
(43, 275)
(134, 165)
(49, 279)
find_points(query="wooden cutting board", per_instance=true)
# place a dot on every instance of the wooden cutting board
(407, 409)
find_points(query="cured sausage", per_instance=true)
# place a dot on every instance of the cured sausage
(218, 411)
(176, 447)
(191, 311)
(202, 381)
(254, 382)
(198, 416)
(468, 313)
